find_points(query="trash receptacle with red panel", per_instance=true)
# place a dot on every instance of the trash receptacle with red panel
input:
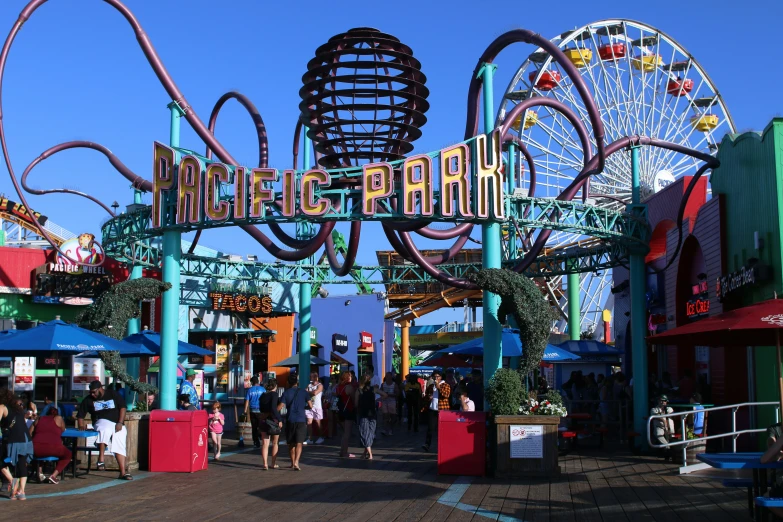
(462, 443)
(178, 441)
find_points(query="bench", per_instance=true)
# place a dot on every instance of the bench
(742, 483)
(39, 462)
(88, 450)
(769, 502)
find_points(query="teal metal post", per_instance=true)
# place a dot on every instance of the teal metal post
(134, 325)
(490, 252)
(574, 313)
(305, 294)
(638, 317)
(132, 363)
(172, 251)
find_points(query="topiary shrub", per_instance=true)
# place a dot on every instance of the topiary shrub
(521, 298)
(505, 392)
(109, 315)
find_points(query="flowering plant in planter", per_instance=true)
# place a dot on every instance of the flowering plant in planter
(545, 407)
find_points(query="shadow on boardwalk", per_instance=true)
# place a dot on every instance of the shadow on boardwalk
(400, 484)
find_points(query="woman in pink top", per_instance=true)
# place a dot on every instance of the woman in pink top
(47, 434)
(216, 422)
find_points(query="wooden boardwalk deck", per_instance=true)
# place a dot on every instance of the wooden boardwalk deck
(400, 485)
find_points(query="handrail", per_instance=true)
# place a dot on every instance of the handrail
(734, 433)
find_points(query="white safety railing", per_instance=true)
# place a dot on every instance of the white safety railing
(462, 327)
(734, 434)
(58, 231)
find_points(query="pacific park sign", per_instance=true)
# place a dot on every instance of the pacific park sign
(462, 182)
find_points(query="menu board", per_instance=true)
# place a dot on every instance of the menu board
(221, 364)
(85, 370)
(527, 442)
(24, 370)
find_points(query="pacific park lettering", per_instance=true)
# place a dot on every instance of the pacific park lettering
(460, 182)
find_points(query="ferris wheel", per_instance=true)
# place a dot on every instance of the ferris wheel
(644, 83)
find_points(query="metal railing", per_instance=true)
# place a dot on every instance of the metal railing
(734, 434)
(462, 327)
(618, 414)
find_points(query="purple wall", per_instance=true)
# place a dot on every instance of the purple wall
(365, 313)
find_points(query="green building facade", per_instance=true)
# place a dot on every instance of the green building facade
(750, 181)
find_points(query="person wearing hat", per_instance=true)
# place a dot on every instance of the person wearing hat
(107, 412)
(187, 388)
(662, 428)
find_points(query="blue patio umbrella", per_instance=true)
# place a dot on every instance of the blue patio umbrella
(510, 346)
(589, 347)
(151, 341)
(56, 337)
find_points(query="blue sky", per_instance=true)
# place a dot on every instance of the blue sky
(75, 72)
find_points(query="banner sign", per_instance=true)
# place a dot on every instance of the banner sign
(221, 364)
(339, 343)
(254, 304)
(745, 276)
(24, 370)
(465, 179)
(85, 370)
(365, 341)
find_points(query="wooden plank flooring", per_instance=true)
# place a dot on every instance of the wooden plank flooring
(400, 485)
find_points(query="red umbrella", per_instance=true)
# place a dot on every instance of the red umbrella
(754, 325)
(448, 361)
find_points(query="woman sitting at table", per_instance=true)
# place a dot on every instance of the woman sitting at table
(774, 453)
(47, 442)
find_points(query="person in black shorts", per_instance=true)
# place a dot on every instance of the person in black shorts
(269, 407)
(296, 401)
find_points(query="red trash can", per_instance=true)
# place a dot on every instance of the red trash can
(178, 441)
(462, 443)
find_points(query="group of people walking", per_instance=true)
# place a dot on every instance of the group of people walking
(295, 417)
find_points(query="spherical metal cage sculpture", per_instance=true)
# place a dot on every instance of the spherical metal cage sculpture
(363, 99)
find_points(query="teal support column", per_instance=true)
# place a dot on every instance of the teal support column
(172, 251)
(134, 325)
(490, 252)
(574, 312)
(638, 318)
(132, 363)
(305, 291)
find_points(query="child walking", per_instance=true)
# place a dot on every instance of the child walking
(216, 422)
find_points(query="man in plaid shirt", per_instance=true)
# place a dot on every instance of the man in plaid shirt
(436, 398)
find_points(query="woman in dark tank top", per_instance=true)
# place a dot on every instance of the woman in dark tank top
(16, 441)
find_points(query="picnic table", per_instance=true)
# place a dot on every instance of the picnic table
(75, 434)
(752, 461)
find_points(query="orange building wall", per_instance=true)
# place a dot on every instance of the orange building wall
(281, 343)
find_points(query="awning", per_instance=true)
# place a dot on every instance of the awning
(294, 361)
(589, 347)
(337, 359)
(753, 325)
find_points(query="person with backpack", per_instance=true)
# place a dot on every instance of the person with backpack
(367, 412)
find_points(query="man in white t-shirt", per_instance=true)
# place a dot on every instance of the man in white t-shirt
(375, 380)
